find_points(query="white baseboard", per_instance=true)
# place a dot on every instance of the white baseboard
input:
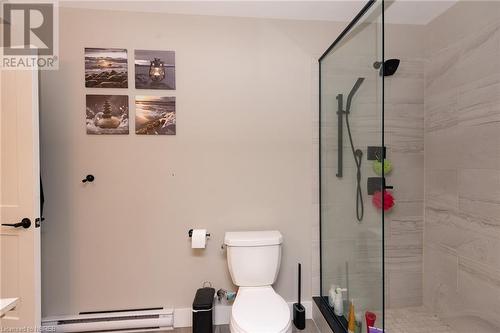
(222, 314)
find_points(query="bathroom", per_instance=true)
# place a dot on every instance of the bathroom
(257, 87)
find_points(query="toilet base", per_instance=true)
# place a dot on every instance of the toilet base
(234, 329)
(260, 310)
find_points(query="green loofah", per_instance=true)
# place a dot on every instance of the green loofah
(377, 167)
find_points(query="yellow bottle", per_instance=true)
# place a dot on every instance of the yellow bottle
(352, 320)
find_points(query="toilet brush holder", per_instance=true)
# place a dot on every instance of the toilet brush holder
(299, 312)
(299, 316)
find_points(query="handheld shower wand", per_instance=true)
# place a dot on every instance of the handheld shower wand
(356, 153)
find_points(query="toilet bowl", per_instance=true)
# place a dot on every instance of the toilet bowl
(254, 258)
(260, 310)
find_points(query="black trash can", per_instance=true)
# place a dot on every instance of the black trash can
(203, 305)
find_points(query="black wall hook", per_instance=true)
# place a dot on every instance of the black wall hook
(88, 178)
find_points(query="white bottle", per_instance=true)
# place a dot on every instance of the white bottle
(331, 295)
(338, 302)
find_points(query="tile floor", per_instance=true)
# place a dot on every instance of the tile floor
(310, 328)
(407, 320)
(414, 320)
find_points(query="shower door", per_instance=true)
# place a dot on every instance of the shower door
(351, 182)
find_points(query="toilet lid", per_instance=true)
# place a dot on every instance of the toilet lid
(260, 309)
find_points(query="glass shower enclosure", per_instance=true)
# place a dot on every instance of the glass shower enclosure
(352, 185)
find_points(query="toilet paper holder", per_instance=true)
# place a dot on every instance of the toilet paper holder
(190, 233)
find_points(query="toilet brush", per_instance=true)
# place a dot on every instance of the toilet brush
(299, 312)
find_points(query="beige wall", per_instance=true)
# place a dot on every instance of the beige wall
(462, 163)
(242, 159)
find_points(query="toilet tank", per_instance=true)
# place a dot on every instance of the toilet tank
(253, 257)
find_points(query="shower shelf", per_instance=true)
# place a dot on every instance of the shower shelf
(336, 323)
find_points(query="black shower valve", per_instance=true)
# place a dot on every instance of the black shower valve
(375, 184)
(376, 153)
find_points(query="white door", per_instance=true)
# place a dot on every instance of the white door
(19, 197)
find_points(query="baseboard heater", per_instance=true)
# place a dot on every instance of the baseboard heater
(133, 320)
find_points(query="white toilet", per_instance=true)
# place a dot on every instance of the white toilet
(254, 259)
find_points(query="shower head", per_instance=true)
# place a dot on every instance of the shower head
(355, 88)
(390, 66)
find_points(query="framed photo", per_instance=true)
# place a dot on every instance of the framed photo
(106, 68)
(155, 115)
(154, 69)
(107, 114)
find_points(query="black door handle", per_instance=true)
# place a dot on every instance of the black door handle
(25, 223)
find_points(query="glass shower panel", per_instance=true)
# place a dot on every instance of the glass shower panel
(351, 137)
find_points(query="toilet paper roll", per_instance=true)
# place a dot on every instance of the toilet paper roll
(199, 238)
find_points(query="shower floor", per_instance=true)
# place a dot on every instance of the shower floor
(421, 320)
(414, 320)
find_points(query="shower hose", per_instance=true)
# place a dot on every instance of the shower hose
(358, 157)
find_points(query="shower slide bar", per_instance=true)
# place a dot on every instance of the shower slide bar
(340, 135)
(356, 153)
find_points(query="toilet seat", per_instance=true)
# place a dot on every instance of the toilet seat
(260, 310)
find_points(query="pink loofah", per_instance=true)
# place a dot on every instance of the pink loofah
(388, 200)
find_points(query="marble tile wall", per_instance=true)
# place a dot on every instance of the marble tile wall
(462, 164)
(443, 137)
(343, 238)
(404, 124)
